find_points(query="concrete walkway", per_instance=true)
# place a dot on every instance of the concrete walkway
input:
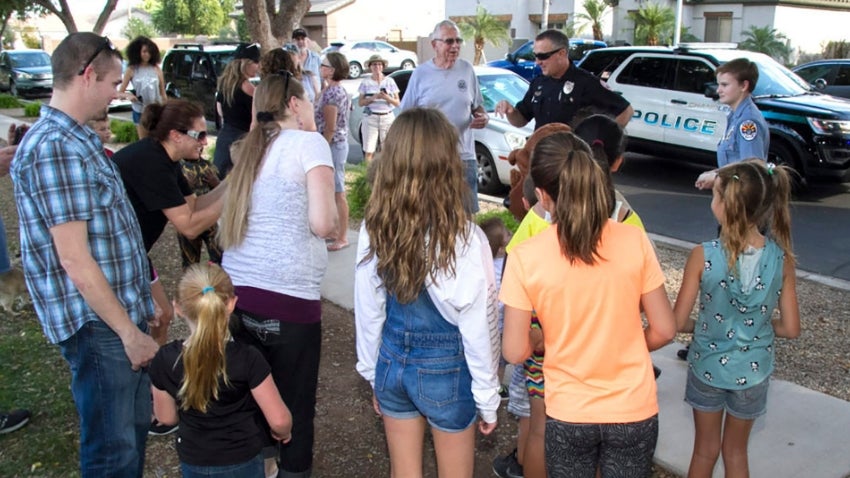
(803, 434)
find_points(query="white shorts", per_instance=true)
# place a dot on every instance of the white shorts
(373, 127)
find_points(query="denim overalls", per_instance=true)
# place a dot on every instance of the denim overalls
(421, 368)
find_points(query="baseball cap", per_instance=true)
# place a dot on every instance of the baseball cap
(250, 52)
(299, 33)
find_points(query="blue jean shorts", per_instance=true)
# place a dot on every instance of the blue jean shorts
(440, 389)
(746, 404)
(339, 153)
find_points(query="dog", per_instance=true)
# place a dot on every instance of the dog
(13, 292)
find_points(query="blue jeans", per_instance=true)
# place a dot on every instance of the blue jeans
(113, 401)
(5, 265)
(421, 368)
(226, 137)
(470, 173)
(252, 468)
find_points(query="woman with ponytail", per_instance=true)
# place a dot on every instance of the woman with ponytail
(587, 278)
(278, 213)
(213, 386)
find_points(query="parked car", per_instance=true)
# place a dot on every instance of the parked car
(493, 143)
(673, 93)
(827, 76)
(191, 72)
(26, 72)
(521, 61)
(359, 51)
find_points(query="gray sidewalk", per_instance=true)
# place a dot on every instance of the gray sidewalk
(804, 434)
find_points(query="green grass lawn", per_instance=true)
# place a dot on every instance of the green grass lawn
(34, 375)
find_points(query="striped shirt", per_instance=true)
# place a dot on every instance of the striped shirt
(62, 175)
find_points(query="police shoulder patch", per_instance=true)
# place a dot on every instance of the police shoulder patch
(748, 130)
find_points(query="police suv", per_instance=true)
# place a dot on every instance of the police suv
(673, 93)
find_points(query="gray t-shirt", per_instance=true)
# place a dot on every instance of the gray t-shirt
(454, 91)
(280, 253)
(146, 85)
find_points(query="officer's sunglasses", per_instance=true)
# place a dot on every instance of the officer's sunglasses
(547, 55)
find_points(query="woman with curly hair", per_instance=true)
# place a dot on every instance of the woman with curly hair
(146, 76)
(425, 300)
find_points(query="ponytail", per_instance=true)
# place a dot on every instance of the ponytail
(562, 165)
(203, 295)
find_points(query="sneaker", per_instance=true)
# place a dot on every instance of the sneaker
(683, 353)
(656, 371)
(507, 466)
(13, 420)
(503, 392)
(158, 428)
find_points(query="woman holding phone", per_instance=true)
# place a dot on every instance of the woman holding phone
(378, 97)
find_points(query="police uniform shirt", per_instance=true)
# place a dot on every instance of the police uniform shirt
(556, 100)
(747, 135)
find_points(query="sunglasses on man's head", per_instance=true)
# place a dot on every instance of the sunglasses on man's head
(546, 55)
(196, 135)
(105, 45)
(451, 41)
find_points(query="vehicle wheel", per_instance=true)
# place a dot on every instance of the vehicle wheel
(408, 65)
(354, 70)
(781, 153)
(488, 178)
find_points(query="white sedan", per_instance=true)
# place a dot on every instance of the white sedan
(493, 143)
(358, 52)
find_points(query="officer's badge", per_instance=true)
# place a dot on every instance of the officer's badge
(749, 130)
(568, 87)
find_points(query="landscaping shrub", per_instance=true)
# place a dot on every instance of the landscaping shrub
(124, 131)
(31, 110)
(510, 221)
(359, 191)
(9, 101)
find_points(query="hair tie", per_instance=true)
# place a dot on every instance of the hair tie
(735, 177)
(264, 116)
(207, 289)
(597, 142)
(770, 168)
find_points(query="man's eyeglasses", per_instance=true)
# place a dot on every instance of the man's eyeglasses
(196, 135)
(451, 41)
(106, 45)
(547, 55)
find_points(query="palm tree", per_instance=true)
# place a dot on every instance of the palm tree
(484, 28)
(653, 24)
(595, 11)
(766, 40)
(572, 30)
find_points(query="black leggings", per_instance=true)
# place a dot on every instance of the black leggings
(621, 450)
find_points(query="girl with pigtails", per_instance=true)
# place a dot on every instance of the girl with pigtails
(588, 277)
(739, 279)
(214, 386)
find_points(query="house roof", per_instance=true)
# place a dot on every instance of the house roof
(326, 7)
(843, 5)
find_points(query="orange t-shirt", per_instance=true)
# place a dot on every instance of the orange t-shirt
(597, 366)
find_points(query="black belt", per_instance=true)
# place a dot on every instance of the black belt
(380, 114)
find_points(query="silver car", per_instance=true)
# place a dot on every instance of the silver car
(493, 143)
(358, 52)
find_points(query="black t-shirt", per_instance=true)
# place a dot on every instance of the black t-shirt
(238, 113)
(153, 182)
(231, 431)
(551, 100)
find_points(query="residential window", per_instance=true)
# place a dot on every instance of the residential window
(718, 26)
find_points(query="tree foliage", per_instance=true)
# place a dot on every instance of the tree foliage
(573, 29)
(767, 40)
(484, 28)
(595, 11)
(270, 22)
(137, 27)
(654, 24)
(191, 17)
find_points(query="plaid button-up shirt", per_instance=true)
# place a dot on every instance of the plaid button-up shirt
(61, 175)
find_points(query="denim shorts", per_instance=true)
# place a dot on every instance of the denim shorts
(440, 389)
(746, 404)
(339, 153)
(470, 173)
(518, 401)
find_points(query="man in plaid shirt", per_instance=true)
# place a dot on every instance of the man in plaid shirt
(84, 260)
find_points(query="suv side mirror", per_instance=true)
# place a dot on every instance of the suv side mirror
(820, 84)
(711, 91)
(510, 57)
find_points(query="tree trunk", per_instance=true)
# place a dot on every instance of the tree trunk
(479, 51)
(290, 15)
(597, 31)
(100, 24)
(544, 19)
(63, 12)
(259, 23)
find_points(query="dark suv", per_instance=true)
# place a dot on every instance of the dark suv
(191, 72)
(673, 92)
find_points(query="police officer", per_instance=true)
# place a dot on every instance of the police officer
(562, 90)
(747, 135)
